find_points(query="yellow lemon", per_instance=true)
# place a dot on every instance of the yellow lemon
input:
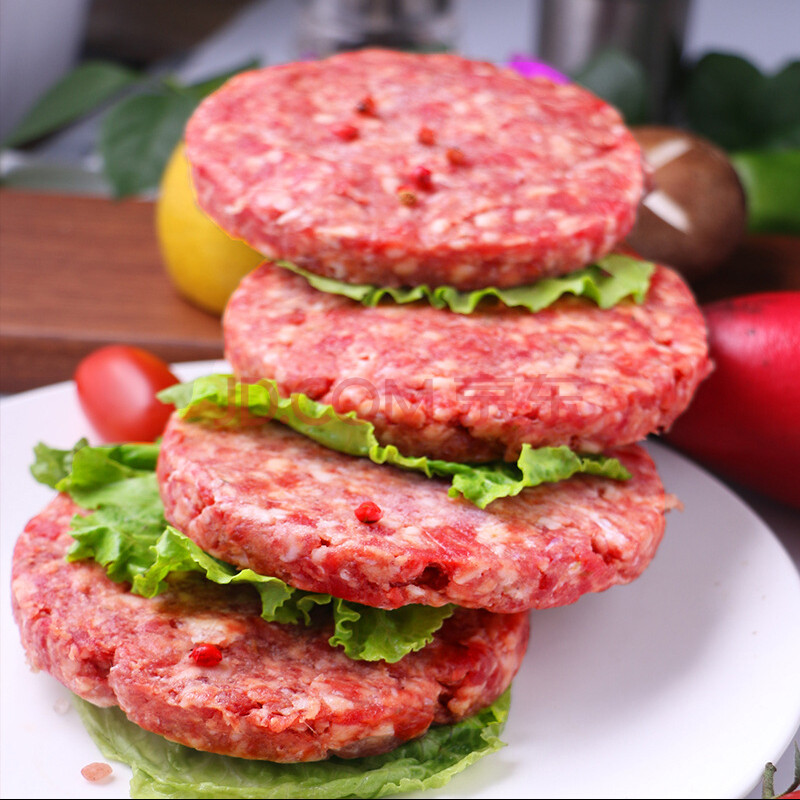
(204, 263)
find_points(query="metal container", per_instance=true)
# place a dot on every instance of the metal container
(331, 26)
(651, 31)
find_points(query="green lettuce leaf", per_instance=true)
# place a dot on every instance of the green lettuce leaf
(167, 770)
(371, 634)
(128, 535)
(50, 465)
(174, 552)
(99, 475)
(118, 483)
(222, 400)
(483, 484)
(365, 634)
(606, 282)
(119, 537)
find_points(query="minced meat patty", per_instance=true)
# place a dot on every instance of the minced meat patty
(475, 387)
(403, 169)
(272, 500)
(280, 692)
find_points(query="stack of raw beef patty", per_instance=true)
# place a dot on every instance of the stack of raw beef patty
(317, 163)
(393, 170)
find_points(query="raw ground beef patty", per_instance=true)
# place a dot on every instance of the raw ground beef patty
(280, 692)
(396, 168)
(269, 499)
(475, 387)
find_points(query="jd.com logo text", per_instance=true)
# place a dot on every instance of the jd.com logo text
(473, 399)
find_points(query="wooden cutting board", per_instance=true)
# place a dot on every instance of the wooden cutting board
(80, 272)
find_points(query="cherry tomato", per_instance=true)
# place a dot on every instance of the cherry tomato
(117, 387)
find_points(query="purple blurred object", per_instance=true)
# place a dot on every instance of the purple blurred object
(529, 68)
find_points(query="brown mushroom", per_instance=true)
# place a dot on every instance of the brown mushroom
(694, 215)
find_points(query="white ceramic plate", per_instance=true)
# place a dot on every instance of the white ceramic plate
(682, 684)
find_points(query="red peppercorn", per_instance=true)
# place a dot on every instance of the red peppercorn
(456, 157)
(368, 512)
(426, 136)
(344, 131)
(366, 105)
(206, 655)
(406, 196)
(96, 771)
(422, 178)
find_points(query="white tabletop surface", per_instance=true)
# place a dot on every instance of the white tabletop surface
(785, 523)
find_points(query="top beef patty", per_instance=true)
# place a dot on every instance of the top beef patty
(402, 169)
(474, 387)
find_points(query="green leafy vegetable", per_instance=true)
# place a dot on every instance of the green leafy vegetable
(82, 90)
(371, 634)
(96, 474)
(620, 80)
(366, 634)
(174, 552)
(51, 465)
(128, 535)
(137, 137)
(484, 483)
(95, 467)
(138, 133)
(118, 483)
(771, 180)
(731, 102)
(223, 400)
(119, 537)
(724, 100)
(607, 282)
(167, 770)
